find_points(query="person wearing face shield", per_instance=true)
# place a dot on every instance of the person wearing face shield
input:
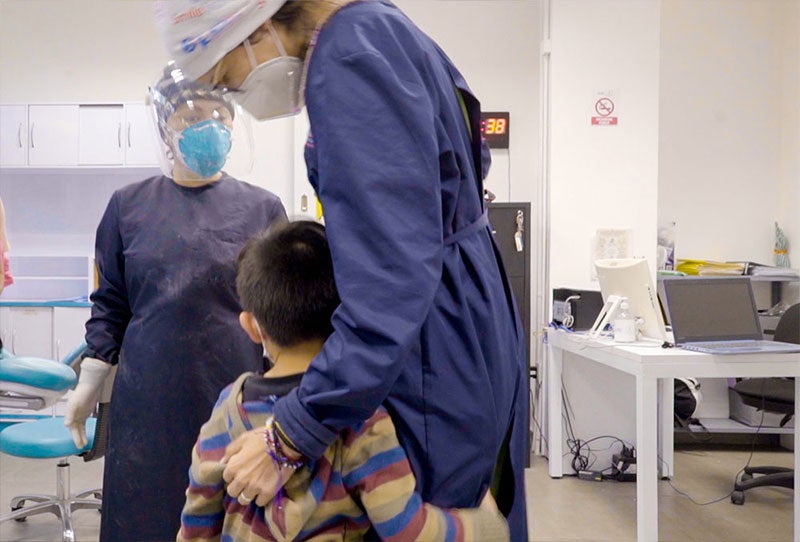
(166, 311)
(427, 324)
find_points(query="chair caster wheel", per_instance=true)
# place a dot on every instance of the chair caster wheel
(737, 497)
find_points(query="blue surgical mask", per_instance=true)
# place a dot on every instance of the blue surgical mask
(204, 147)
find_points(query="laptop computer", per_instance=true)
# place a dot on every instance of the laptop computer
(717, 315)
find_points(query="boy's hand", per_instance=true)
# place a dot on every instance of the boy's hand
(249, 471)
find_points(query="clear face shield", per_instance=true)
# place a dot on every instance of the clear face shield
(200, 131)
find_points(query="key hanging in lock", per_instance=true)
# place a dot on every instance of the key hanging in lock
(518, 240)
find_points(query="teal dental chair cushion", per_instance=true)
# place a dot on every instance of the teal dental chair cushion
(37, 373)
(47, 438)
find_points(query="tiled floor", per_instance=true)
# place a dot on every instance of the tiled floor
(565, 510)
(571, 510)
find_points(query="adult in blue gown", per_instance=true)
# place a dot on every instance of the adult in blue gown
(166, 312)
(427, 323)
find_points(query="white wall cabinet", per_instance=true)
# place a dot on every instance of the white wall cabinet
(100, 135)
(44, 332)
(139, 139)
(76, 135)
(13, 135)
(53, 132)
(28, 331)
(69, 329)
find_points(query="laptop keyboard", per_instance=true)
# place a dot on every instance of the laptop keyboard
(722, 345)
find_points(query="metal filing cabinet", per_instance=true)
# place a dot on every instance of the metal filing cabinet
(511, 226)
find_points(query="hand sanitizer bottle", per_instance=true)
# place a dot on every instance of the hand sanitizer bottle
(624, 325)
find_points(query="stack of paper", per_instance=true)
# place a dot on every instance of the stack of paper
(760, 270)
(710, 268)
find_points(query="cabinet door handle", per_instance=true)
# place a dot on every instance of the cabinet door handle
(129, 135)
(19, 135)
(32, 126)
(119, 135)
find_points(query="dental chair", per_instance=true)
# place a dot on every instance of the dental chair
(34, 384)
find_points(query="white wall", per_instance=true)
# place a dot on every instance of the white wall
(602, 176)
(77, 50)
(729, 145)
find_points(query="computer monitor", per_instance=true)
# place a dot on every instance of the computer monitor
(629, 278)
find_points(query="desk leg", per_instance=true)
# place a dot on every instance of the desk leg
(555, 430)
(796, 460)
(646, 459)
(666, 429)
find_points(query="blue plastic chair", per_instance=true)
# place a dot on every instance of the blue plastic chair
(35, 383)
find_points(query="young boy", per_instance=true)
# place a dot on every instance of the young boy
(287, 291)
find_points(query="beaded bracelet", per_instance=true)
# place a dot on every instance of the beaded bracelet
(275, 451)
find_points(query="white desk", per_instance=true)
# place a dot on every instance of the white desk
(654, 370)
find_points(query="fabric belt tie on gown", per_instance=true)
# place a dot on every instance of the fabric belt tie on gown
(469, 229)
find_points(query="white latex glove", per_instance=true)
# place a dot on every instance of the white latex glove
(84, 398)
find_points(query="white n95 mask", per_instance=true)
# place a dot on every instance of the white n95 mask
(273, 89)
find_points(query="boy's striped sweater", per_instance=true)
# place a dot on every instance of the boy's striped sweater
(364, 479)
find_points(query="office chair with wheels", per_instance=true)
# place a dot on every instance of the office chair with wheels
(38, 383)
(772, 395)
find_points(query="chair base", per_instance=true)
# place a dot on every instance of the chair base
(62, 504)
(767, 476)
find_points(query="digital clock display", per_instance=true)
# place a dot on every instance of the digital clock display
(495, 129)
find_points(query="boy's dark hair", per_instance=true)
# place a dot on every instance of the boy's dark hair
(285, 278)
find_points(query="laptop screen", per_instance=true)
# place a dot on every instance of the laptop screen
(711, 309)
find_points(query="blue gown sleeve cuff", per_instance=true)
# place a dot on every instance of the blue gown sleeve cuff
(111, 359)
(309, 436)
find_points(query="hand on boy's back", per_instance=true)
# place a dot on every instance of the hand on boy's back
(250, 472)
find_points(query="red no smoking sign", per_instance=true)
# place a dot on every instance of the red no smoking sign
(604, 107)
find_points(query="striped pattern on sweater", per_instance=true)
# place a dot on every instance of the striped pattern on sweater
(364, 478)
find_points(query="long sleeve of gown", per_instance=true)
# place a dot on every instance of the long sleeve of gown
(110, 307)
(381, 195)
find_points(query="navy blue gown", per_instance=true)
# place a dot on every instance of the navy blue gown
(427, 322)
(166, 310)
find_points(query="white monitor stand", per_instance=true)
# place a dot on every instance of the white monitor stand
(606, 314)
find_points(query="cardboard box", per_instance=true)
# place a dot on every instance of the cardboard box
(751, 416)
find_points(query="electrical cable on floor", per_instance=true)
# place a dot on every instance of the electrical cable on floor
(758, 429)
(538, 426)
(583, 457)
(686, 495)
(747, 464)
(582, 453)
